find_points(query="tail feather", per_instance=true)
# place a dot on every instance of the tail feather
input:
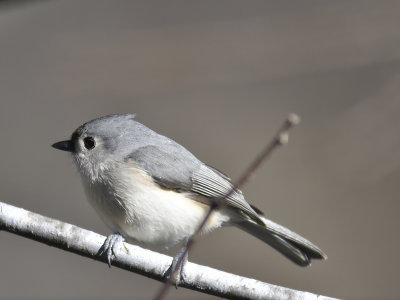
(296, 248)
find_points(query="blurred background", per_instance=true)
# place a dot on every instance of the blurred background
(219, 77)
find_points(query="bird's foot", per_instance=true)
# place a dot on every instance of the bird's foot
(179, 275)
(110, 246)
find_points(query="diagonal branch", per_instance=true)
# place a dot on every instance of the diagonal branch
(280, 138)
(138, 260)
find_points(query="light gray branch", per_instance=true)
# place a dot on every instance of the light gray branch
(135, 259)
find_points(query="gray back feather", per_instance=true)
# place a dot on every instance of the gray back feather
(168, 165)
(174, 167)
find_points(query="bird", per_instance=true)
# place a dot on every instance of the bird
(150, 189)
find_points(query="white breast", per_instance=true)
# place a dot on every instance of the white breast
(129, 202)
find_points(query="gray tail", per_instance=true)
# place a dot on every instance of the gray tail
(290, 244)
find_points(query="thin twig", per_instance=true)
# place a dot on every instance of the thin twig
(280, 138)
(141, 261)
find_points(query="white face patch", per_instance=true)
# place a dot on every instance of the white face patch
(89, 166)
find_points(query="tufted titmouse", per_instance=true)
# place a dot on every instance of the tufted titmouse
(148, 188)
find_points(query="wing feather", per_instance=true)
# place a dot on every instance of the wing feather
(176, 168)
(211, 184)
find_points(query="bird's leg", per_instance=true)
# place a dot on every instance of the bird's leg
(110, 246)
(179, 275)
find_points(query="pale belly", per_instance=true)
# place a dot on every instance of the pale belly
(133, 205)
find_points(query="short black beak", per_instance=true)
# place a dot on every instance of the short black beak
(64, 145)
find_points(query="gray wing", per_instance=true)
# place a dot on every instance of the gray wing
(171, 168)
(177, 168)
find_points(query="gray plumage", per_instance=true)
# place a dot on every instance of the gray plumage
(173, 167)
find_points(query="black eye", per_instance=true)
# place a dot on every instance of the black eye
(89, 142)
